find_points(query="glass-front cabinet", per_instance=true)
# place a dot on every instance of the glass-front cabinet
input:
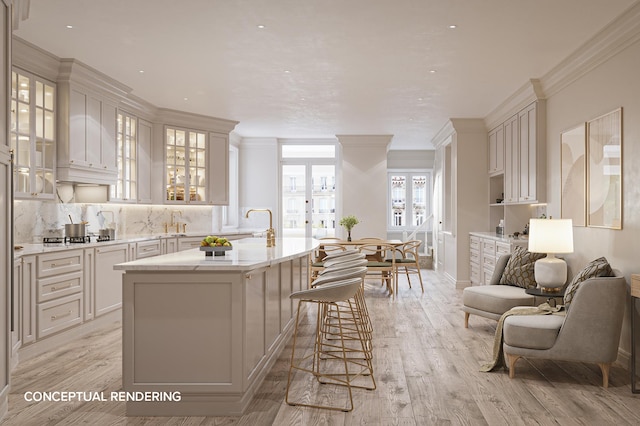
(33, 135)
(186, 166)
(126, 187)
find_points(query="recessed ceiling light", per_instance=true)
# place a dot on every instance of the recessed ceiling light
(432, 71)
(69, 26)
(186, 99)
(141, 71)
(419, 99)
(261, 26)
(287, 71)
(453, 26)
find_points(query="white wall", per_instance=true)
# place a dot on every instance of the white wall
(258, 182)
(364, 184)
(610, 85)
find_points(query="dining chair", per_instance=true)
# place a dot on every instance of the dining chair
(409, 260)
(381, 263)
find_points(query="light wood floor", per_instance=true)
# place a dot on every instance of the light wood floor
(426, 366)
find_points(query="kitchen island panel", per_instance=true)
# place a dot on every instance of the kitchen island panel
(182, 313)
(161, 320)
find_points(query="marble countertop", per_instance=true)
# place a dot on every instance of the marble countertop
(502, 238)
(247, 254)
(39, 248)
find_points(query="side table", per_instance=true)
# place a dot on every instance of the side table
(551, 297)
(635, 294)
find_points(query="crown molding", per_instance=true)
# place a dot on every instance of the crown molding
(458, 125)
(31, 58)
(608, 42)
(530, 92)
(196, 121)
(366, 141)
(138, 107)
(72, 71)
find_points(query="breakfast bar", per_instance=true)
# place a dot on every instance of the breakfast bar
(207, 327)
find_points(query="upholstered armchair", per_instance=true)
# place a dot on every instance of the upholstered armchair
(493, 300)
(590, 331)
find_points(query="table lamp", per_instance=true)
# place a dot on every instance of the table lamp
(551, 236)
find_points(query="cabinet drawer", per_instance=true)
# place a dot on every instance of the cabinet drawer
(487, 273)
(489, 247)
(474, 243)
(474, 257)
(59, 263)
(475, 274)
(59, 314)
(502, 248)
(58, 286)
(489, 261)
(147, 249)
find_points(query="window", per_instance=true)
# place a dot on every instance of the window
(410, 197)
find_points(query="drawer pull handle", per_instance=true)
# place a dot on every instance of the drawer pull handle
(63, 287)
(66, 314)
(55, 265)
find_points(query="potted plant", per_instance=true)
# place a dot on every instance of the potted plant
(349, 222)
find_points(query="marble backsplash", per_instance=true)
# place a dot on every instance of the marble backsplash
(34, 220)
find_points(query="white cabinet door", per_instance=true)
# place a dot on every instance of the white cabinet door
(16, 310)
(108, 283)
(528, 158)
(28, 317)
(144, 161)
(218, 169)
(511, 170)
(496, 150)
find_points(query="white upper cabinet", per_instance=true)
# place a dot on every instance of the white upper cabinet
(144, 161)
(87, 119)
(496, 151)
(218, 179)
(33, 135)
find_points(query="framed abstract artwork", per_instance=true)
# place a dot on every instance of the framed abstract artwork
(573, 146)
(604, 171)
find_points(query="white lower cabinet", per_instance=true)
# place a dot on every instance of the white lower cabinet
(484, 251)
(108, 283)
(58, 291)
(169, 245)
(28, 308)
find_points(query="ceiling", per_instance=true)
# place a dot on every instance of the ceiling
(321, 67)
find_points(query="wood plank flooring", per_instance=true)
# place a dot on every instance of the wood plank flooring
(426, 368)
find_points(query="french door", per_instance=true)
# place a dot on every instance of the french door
(308, 198)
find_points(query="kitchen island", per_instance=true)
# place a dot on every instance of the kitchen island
(208, 328)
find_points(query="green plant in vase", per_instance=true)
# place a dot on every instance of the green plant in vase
(349, 222)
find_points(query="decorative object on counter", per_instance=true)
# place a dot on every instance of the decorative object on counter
(215, 246)
(551, 236)
(271, 233)
(500, 228)
(349, 222)
(515, 235)
(526, 230)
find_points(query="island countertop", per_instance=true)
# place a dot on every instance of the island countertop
(247, 253)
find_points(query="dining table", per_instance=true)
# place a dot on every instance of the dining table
(339, 244)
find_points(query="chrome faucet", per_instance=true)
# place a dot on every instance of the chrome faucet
(271, 233)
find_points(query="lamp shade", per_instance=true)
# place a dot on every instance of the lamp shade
(551, 236)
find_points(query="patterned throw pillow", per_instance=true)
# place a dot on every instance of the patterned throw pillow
(596, 268)
(519, 269)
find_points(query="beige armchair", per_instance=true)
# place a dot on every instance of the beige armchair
(493, 300)
(590, 331)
